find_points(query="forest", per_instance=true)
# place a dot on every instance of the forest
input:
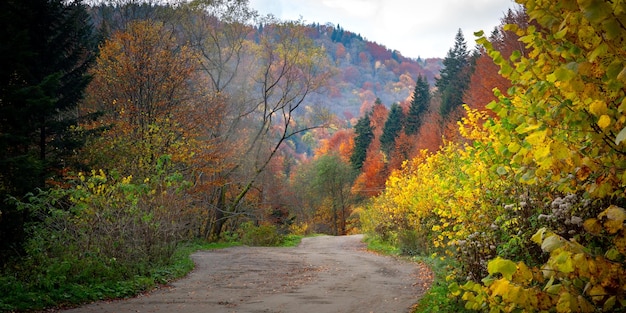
(133, 131)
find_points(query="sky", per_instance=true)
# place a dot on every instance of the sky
(416, 28)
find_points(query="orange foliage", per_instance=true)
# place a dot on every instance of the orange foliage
(340, 52)
(403, 150)
(430, 134)
(374, 173)
(341, 142)
(367, 98)
(377, 120)
(486, 77)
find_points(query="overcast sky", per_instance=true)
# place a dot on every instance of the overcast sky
(423, 28)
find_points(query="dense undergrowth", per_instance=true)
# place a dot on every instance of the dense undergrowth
(71, 278)
(530, 204)
(71, 281)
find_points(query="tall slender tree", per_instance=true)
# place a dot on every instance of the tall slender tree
(419, 106)
(364, 136)
(455, 76)
(45, 50)
(391, 130)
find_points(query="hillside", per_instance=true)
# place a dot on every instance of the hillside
(365, 71)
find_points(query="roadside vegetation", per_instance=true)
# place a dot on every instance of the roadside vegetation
(134, 133)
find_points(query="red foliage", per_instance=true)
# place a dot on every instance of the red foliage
(340, 52)
(403, 150)
(374, 173)
(341, 142)
(430, 134)
(377, 120)
(350, 73)
(486, 76)
(365, 59)
(378, 52)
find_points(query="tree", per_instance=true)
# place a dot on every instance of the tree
(286, 68)
(143, 86)
(485, 76)
(454, 77)
(341, 142)
(374, 172)
(391, 130)
(47, 47)
(562, 129)
(331, 183)
(364, 136)
(419, 106)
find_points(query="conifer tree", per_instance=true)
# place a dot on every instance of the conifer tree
(419, 105)
(455, 76)
(392, 128)
(46, 47)
(364, 136)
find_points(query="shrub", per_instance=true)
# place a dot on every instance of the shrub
(262, 235)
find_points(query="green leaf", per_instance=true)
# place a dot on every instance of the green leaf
(515, 55)
(613, 254)
(564, 74)
(561, 33)
(595, 10)
(609, 304)
(503, 266)
(501, 170)
(600, 50)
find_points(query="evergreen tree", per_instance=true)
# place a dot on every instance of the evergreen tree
(419, 105)
(364, 136)
(45, 50)
(455, 76)
(391, 129)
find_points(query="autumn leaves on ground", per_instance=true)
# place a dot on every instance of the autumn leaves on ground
(133, 134)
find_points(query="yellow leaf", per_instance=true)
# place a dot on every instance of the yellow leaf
(597, 293)
(598, 107)
(604, 121)
(523, 274)
(500, 287)
(513, 147)
(592, 226)
(565, 303)
(541, 151)
(615, 218)
(537, 138)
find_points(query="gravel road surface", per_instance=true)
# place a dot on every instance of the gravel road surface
(323, 275)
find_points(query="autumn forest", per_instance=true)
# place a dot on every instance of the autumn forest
(133, 131)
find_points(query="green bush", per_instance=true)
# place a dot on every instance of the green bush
(412, 242)
(262, 235)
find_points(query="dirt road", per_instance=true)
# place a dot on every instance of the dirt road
(323, 275)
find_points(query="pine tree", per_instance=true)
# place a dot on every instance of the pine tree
(455, 76)
(46, 48)
(364, 136)
(392, 128)
(419, 105)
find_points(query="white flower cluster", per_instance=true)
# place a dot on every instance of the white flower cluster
(563, 212)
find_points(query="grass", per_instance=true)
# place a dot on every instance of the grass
(437, 297)
(291, 240)
(23, 295)
(377, 245)
(34, 294)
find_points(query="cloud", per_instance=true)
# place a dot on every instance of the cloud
(424, 28)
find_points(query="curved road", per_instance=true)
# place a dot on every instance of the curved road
(323, 274)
